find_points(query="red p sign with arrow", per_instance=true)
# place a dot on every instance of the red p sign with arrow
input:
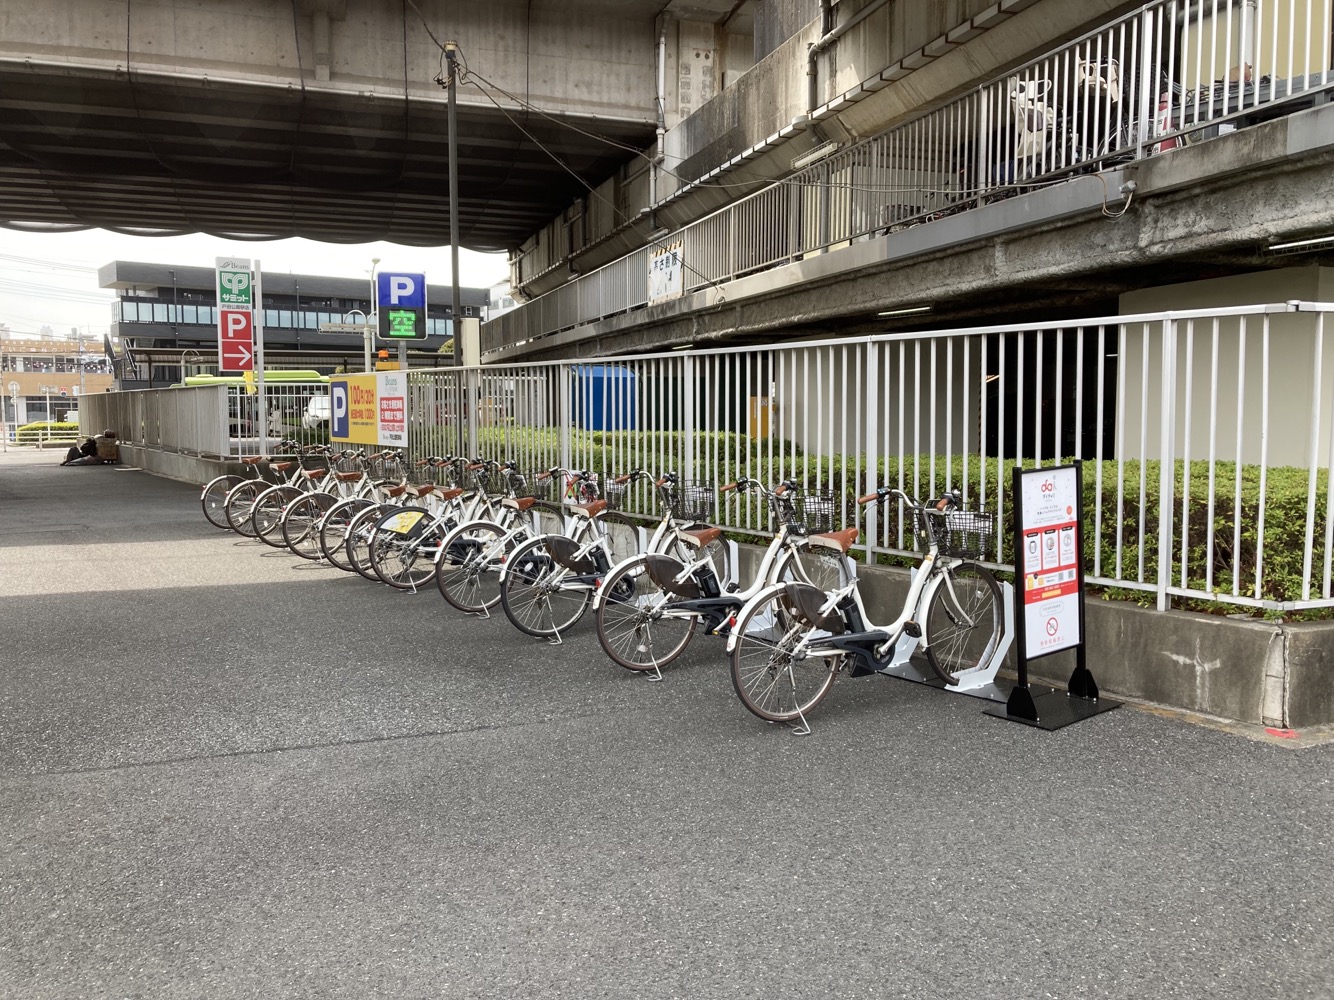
(236, 341)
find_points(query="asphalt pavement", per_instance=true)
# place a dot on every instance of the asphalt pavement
(228, 773)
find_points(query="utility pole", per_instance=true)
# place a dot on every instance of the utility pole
(455, 307)
(370, 311)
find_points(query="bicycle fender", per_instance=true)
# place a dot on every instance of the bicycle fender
(761, 597)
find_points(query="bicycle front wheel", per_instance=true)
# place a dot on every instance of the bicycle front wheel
(468, 571)
(963, 621)
(333, 530)
(357, 547)
(535, 595)
(402, 551)
(240, 503)
(770, 681)
(268, 512)
(633, 626)
(214, 499)
(301, 523)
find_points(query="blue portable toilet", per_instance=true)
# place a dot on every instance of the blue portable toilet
(604, 398)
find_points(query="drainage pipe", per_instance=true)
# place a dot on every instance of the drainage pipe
(662, 123)
(828, 39)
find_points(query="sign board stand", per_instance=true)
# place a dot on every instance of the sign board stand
(1048, 506)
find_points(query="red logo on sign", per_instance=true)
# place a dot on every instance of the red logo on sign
(1052, 626)
(236, 340)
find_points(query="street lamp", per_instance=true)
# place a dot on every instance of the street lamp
(375, 262)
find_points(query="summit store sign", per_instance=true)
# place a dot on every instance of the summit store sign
(236, 330)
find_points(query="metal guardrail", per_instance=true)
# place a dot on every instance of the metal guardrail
(210, 421)
(1236, 402)
(1162, 76)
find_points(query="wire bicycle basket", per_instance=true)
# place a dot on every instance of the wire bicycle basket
(526, 486)
(959, 534)
(616, 494)
(806, 513)
(692, 500)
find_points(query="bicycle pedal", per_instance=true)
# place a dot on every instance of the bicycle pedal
(912, 629)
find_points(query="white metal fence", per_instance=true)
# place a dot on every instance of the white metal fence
(219, 421)
(1171, 72)
(1207, 436)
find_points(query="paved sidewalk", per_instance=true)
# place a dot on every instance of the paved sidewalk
(226, 773)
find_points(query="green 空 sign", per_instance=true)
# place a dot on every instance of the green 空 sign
(404, 324)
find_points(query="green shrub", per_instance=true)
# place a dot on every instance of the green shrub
(45, 430)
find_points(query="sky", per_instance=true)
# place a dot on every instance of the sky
(50, 279)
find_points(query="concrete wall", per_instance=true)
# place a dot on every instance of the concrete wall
(1297, 394)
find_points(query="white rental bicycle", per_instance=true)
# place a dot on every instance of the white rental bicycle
(792, 639)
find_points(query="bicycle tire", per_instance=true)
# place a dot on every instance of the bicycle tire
(468, 571)
(718, 550)
(359, 534)
(820, 567)
(401, 562)
(240, 502)
(333, 530)
(963, 635)
(622, 536)
(630, 624)
(548, 518)
(213, 498)
(267, 515)
(301, 523)
(770, 683)
(533, 603)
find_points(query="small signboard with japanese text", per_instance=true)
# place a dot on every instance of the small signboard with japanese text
(1049, 556)
(369, 409)
(1048, 533)
(666, 273)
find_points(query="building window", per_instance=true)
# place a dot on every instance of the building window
(191, 314)
(159, 312)
(145, 312)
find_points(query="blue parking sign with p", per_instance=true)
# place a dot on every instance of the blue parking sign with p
(401, 301)
(338, 408)
(401, 291)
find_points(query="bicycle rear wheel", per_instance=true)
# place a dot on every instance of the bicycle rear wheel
(718, 550)
(533, 596)
(548, 518)
(213, 498)
(403, 549)
(240, 502)
(632, 626)
(963, 621)
(468, 571)
(333, 530)
(622, 536)
(770, 682)
(301, 523)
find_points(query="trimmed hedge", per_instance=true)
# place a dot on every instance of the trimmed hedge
(1121, 531)
(46, 430)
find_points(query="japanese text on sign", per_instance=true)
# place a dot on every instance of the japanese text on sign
(1051, 559)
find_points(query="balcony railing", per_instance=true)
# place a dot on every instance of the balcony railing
(1162, 76)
